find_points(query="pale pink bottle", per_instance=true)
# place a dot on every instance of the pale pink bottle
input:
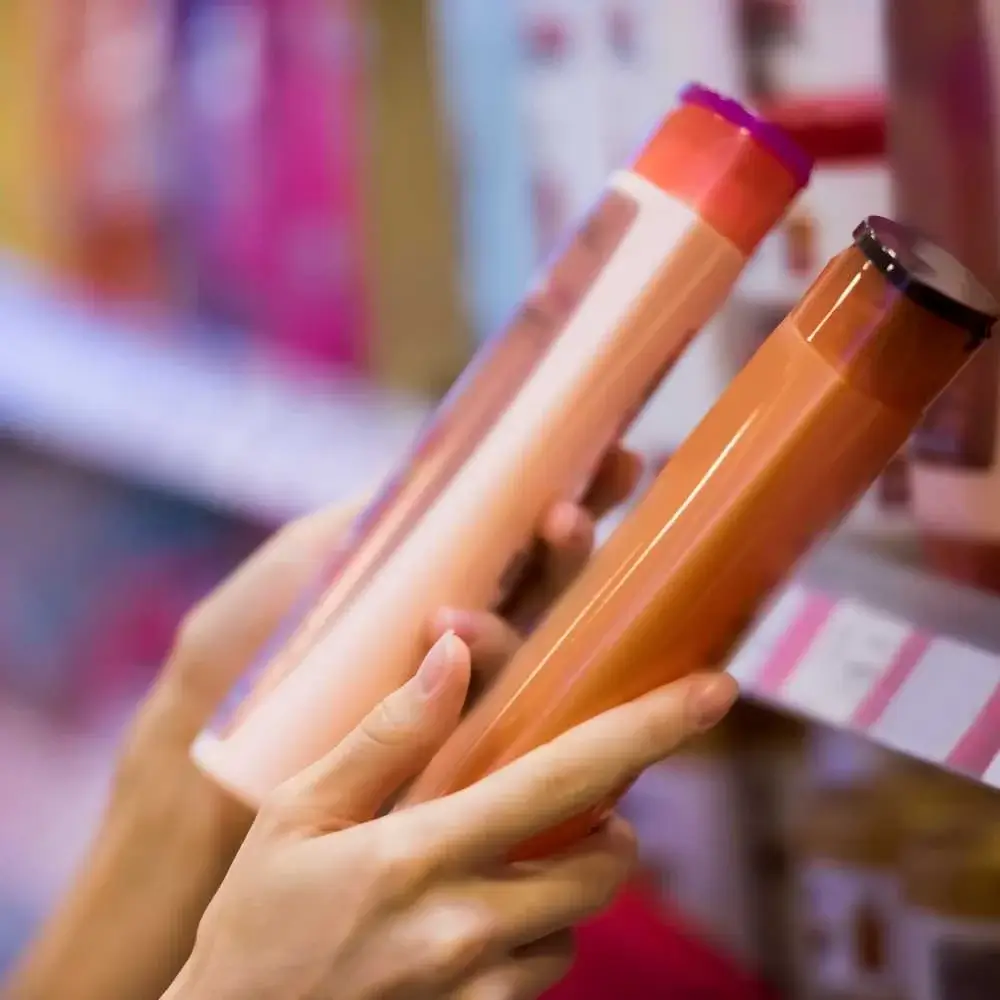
(523, 428)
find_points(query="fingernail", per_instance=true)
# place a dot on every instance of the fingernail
(453, 620)
(436, 668)
(565, 522)
(710, 701)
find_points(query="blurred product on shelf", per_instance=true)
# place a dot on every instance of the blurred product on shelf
(313, 150)
(480, 55)
(716, 825)
(812, 49)
(768, 761)
(114, 169)
(93, 580)
(528, 424)
(944, 134)
(630, 82)
(222, 183)
(564, 63)
(845, 872)
(688, 815)
(419, 339)
(29, 218)
(217, 127)
(542, 99)
(950, 931)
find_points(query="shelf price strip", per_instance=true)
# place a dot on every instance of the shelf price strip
(843, 663)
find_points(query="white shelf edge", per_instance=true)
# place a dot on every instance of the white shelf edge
(211, 425)
(910, 661)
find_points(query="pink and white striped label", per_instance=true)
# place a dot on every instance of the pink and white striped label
(845, 663)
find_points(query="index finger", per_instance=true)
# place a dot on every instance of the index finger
(572, 773)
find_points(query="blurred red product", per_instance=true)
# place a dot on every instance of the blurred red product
(637, 950)
(112, 62)
(314, 296)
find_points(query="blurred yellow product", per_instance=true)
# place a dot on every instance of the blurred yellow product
(420, 339)
(846, 854)
(29, 216)
(950, 940)
(933, 802)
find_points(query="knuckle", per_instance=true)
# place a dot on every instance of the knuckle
(596, 894)
(184, 676)
(391, 723)
(504, 985)
(399, 866)
(608, 887)
(600, 882)
(455, 939)
(660, 729)
(189, 637)
(279, 808)
(626, 846)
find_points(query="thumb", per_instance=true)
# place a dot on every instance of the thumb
(394, 742)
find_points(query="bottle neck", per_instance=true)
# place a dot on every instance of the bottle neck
(880, 342)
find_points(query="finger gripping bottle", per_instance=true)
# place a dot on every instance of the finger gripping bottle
(799, 434)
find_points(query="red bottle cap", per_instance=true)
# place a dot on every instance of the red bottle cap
(738, 171)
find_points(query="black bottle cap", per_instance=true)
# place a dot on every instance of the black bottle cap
(928, 275)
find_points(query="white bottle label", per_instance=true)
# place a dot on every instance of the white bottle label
(949, 959)
(848, 922)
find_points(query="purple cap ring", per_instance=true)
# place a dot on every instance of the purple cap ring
(773, 138)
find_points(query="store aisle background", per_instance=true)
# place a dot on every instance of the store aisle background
(231, 290)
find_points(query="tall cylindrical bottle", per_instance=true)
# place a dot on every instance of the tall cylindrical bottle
(944, 146)
(805, 427)
(524, 427)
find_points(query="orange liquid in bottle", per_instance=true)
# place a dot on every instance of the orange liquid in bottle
(799, 435)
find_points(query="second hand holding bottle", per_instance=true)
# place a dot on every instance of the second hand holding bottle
(797, 437)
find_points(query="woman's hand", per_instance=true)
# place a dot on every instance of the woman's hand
(324, 902)
(168, 834)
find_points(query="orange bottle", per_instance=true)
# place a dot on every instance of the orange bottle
(799, 434)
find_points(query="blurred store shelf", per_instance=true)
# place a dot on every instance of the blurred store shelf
(862, 643)
(205, 421)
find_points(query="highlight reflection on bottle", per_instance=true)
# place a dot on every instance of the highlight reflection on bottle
(799, 434)
(526, 426)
